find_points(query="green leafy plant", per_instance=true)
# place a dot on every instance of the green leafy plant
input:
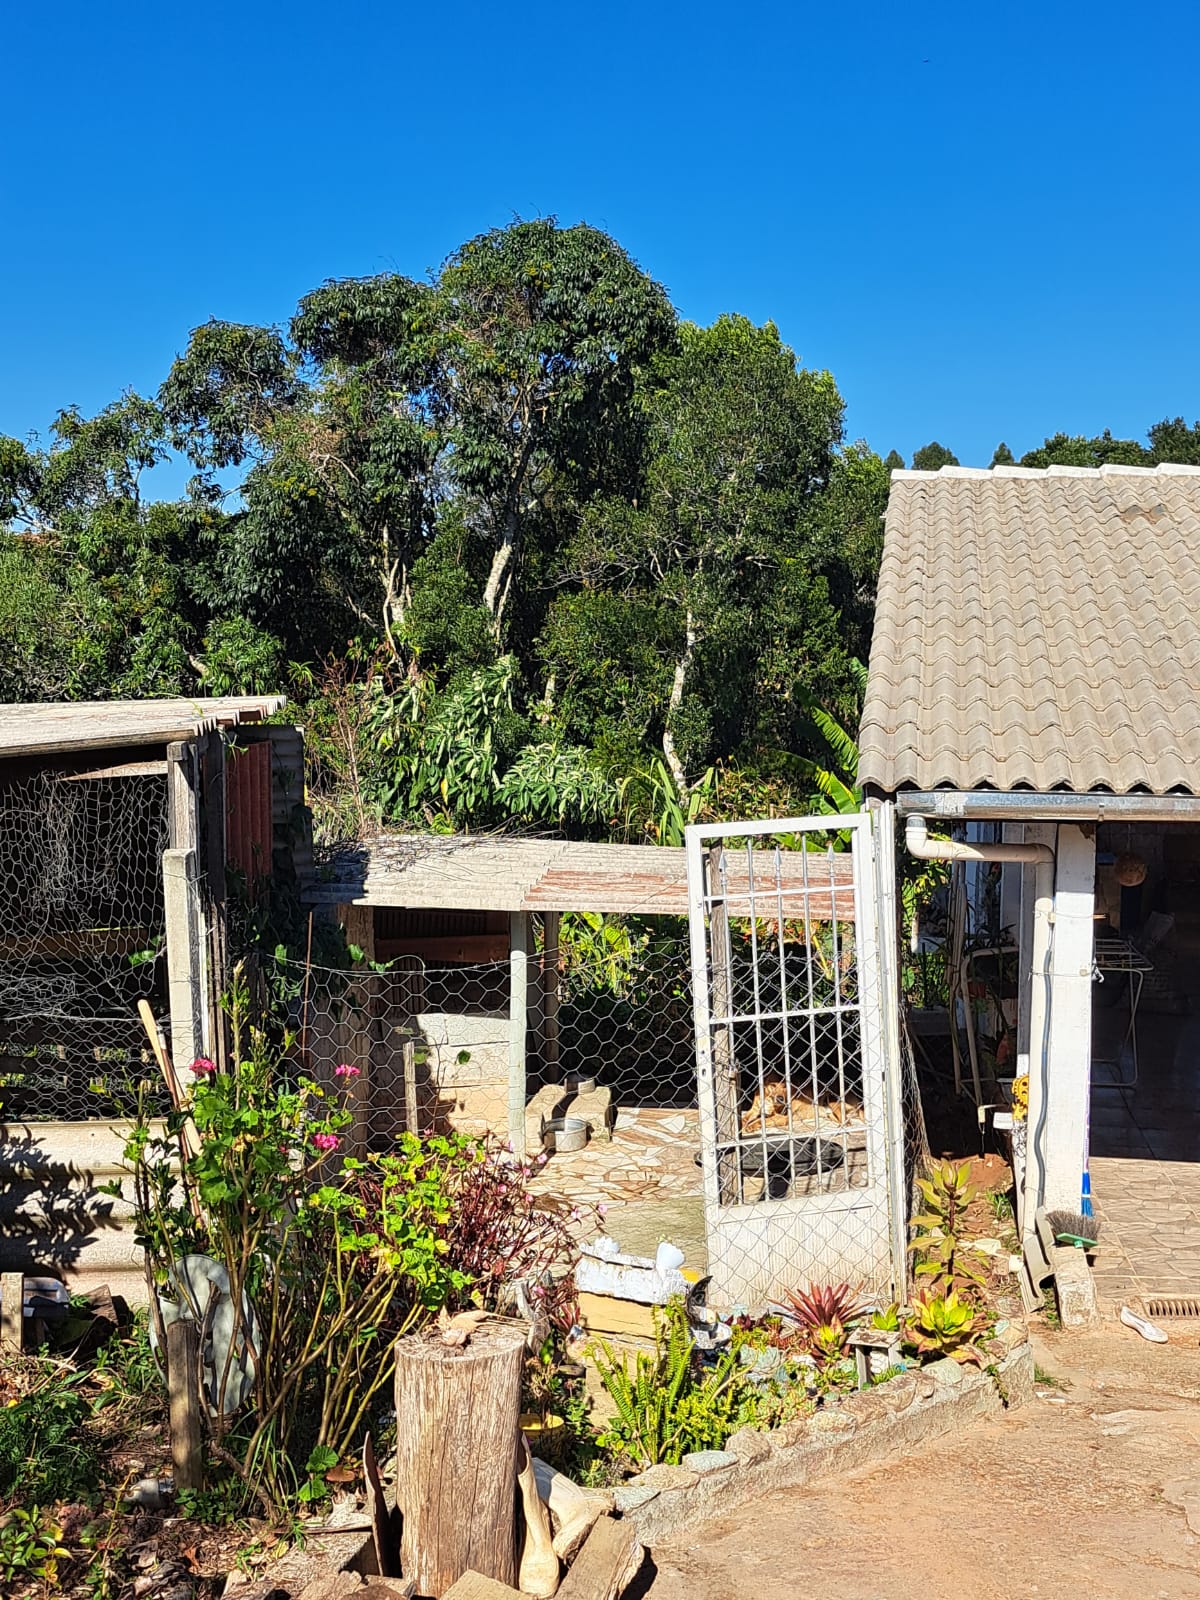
(825, 1314)
(667, 1405)
(943, 1325)
(48, 1451)
(886, 1320)
(30, 1545)
(947, 1191)
(321, 1460)
(337, 1255)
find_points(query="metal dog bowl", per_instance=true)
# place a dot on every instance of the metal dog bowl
(564, 1134)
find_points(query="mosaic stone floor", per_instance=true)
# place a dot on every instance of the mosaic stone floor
(1145, 1164)
(646, 1178)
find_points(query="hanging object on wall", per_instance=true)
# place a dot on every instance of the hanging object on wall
(1130, 870)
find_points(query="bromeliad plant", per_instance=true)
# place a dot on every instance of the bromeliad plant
(825, 1315)
(330, 1257)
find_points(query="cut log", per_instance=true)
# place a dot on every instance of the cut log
(608, 1561)
(539, 1564)
(457, 1434)
(474, 1586)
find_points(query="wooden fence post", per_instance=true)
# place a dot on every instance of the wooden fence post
(183, 1396)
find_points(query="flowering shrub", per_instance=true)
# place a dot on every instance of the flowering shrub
(336, 1258)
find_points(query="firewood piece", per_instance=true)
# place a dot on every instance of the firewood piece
(539, 1564)
(383, 1533)
(573, 1510)
(474, 1586)
(457, 1432)
(183, 1397)
(608, 1561)
(12, 1311)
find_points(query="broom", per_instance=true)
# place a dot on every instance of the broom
(1074, 1227)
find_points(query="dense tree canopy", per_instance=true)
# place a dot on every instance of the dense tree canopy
(527, 547)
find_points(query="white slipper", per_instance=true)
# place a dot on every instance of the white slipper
(1148, 1330)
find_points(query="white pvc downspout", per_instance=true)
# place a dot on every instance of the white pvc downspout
(1041, 856)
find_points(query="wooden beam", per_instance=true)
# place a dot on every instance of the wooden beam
(183, 1397)
(608, 1562)
(12, 1312)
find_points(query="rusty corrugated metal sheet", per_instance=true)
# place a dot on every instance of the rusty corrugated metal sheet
(248, 822)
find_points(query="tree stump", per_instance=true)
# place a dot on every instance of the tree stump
(457, 1433)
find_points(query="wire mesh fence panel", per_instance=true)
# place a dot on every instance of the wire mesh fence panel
(790, 1050)
(81, 940)
(602, 1040)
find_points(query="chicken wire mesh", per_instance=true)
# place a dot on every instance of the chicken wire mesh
(606, 1040)
(800, 1074)
(81, 932)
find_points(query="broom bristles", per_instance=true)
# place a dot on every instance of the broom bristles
(1074, 1224)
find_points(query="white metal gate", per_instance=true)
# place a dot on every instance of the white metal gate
(801, 1142)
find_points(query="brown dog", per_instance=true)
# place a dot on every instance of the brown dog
(771, 1108)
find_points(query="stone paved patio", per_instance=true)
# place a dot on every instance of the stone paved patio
(1146, 1164)
(646, 1178)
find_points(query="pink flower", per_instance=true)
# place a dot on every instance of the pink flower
(326, 1141)
(345, 1070)
(601, 1210)
(202, 1066)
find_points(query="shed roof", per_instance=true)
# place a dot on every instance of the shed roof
(1037, 630)
(61, 726)
(464, 872)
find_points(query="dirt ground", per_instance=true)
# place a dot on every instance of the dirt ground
(1084, 1492)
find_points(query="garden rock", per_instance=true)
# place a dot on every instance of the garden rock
(788, 1434)
(831, 1422)
(1010, 1334)
(748, 1445)
(899, 1393)
(702, 1462)
(662, 1477)
(866, 1406)
(629, 1496)
(947, 1371)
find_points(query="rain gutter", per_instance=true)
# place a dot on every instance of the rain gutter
(1022, 805)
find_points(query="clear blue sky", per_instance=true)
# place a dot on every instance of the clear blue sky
(982, 219)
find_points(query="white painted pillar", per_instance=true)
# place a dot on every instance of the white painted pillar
(1060, 1086)
(518, 1019)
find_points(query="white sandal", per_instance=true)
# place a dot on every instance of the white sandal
(1148, 1330)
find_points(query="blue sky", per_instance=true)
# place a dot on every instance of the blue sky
(982, 219)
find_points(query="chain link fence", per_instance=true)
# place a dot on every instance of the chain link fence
(81, 939)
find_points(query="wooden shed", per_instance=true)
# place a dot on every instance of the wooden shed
(484, 913)
(121, 825)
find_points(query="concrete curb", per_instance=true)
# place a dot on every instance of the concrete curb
(869, 1429)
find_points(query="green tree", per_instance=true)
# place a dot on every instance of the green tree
(710, 575)
(1065, 450)
(932, 457)
(1002, 456)
(894, 461)
(1172, 440)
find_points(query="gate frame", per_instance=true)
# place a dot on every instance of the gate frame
(877, 959)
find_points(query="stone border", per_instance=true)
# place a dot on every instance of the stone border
(865, 1429)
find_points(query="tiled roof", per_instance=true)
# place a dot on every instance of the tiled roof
(1037, 630)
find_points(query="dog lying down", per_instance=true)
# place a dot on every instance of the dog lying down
(771, 1108)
